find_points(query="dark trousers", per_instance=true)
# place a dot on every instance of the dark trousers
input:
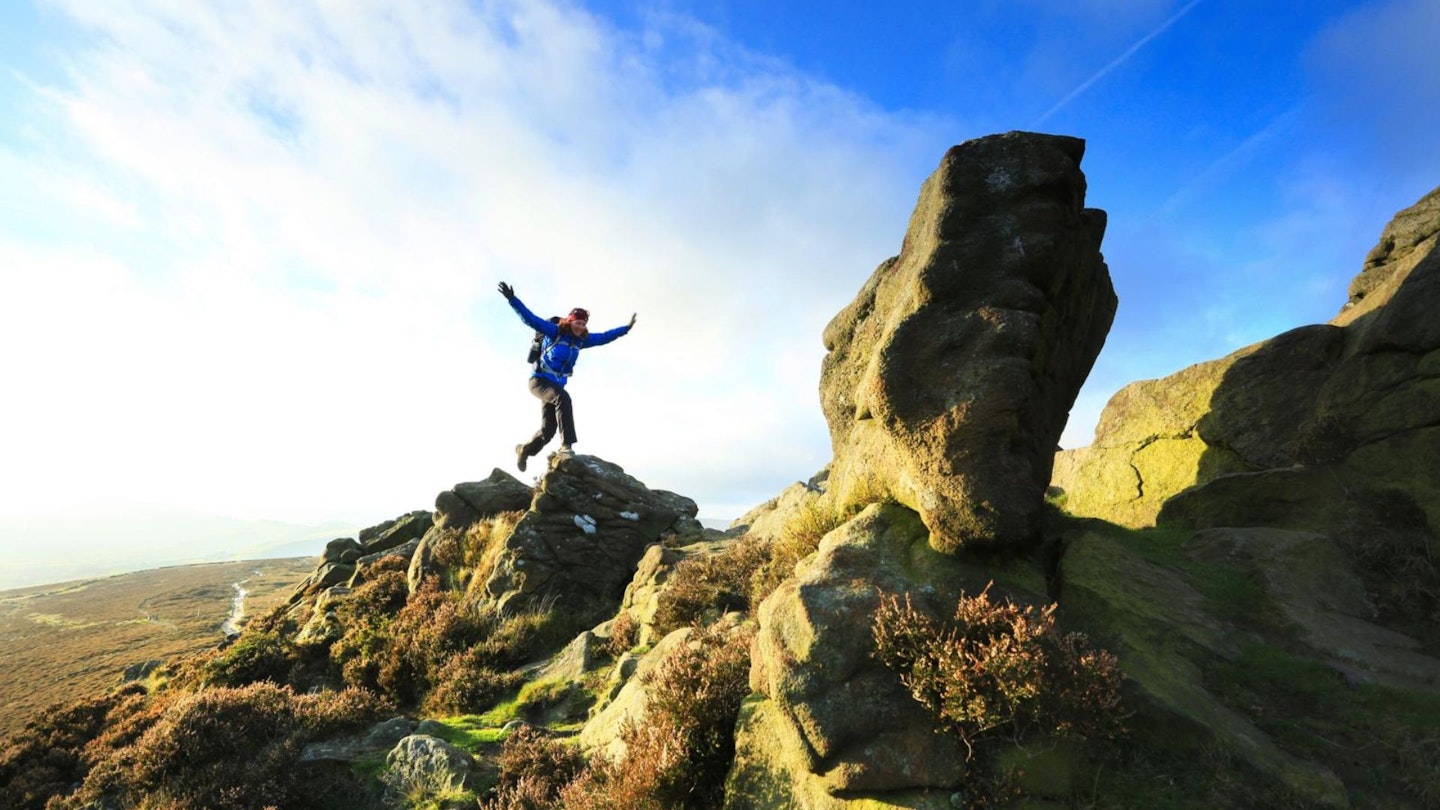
(556, 412)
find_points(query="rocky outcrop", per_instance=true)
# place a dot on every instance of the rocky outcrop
(1355, 401)
(395, 533)
(457, 509)
(642, 596)
(827, 718)
(469, 502)
(950, 376)
(579, 544)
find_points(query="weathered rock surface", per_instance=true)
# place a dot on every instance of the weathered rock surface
(768, 520)
(457, 509)
(472, 501)
(602, 733)
(394, 533)
(827, 718)
(1309, 580)
(1358, 398)
(579, 544)
(642, 596)
(1160, 627)
(382, 737)
(425, 763)
(950, 376)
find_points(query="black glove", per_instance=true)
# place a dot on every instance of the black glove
(507, 291)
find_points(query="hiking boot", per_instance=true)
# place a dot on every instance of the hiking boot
(520, 457)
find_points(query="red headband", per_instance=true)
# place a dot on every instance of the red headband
(578, 314)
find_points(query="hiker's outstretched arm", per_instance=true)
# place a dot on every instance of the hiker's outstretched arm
(602, 338)
(531, 319)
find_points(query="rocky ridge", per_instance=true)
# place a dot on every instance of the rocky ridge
(1276, 631)
(947, 383)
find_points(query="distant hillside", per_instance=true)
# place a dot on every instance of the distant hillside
(62, 547)
(70, 640)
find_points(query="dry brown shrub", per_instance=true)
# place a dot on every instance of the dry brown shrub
(624, 635)
(679, 756)
(485, 539)
(425, 634)
(225, 748)
(533, 768)
(701, 589)
(998, 669)
(47, 758)
(467, 685)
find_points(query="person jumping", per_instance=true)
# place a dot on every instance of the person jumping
(562, 344)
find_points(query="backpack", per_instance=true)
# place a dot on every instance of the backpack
(537, 343)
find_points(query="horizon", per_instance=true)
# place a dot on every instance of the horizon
(248, 252)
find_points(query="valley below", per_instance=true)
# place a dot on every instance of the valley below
(65, 641)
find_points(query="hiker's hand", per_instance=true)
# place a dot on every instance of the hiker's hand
(632, 320)
(507, 291)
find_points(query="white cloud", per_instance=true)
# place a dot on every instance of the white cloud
(285, 306)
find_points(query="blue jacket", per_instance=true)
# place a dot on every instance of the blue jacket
(559, 352)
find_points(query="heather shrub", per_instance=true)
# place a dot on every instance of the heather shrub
(533, 768)
(679, 756)
(255, 656)
(439, 650)
(999, 669)
(700, 589)
(466, 684)
(226, 748)
(523, 637)
(1389, 538)
(624, 635)
(47, 757)
(424, 635)
(383, 592)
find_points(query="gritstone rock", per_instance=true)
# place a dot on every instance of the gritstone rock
(583, 536)
(1353, 403)
(460, 508)
(950, 376)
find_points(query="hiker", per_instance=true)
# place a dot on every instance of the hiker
(559, 350)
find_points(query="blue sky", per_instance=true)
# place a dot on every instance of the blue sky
(248, 250)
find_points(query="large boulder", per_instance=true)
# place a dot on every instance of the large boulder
(395, 533)
(587, 529)
(469, 502)
(950, 376)
(426, 766)
(827, 718)
(1355, 400)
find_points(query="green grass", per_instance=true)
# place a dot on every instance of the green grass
(475, 731)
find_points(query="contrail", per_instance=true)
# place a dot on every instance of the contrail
(1227, 162)
(1116, 62)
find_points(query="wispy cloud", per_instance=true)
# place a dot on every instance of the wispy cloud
(288, 222)
(1115, 63)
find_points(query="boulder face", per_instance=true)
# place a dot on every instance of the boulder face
(826, 716)
(585, 533)
(1356, 401)
(949, 378)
